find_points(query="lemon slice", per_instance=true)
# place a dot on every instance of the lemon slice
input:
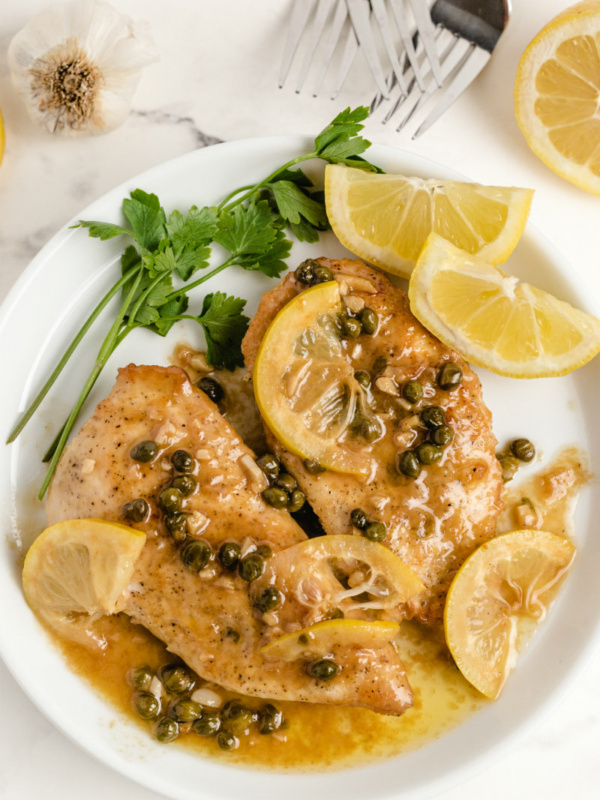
(314, 573)
(386, 219)
(496, 322)
(320, 639)
(498, 595)
(78, 569)
(557, 92)
(304, 384)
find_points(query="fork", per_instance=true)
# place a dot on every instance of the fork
(466, 35)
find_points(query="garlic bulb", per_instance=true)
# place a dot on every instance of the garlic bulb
(77, 65)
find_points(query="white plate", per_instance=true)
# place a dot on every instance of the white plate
(38, 319)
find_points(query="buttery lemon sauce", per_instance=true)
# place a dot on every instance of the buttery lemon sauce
(317, 736)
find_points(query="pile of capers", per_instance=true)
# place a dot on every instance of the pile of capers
(519, 450)
(183, 715)
(430, 451)
(283, 491)
(373, 530)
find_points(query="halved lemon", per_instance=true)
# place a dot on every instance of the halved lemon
(314, 573)
(557, 92)
(496, 322)
(304, 384)
(78, 569)
(386, 219)
(497, 597)
(320, 639)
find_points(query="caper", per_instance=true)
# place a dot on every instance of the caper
(270, 466)
(136, 511)
(369, 429)
(270, 719)
(184, 484)
(412, 392)
(177, 525)
(351, 327)
(141, 678)
(433, 417)
(522, 449)
(170, 499)
(442, 436)
(196, 555)
(147, 705)
(207, 724)
(408, 464)
(321, 274)
(268, 599)
(375, 531)
(305, 272)
(227, 741)
(369, 320)
(167, 730)
(275, 497)
(236, 718)
(183, 461)
(229, 555)
(232, 634)
(176, 678)
(359, 519)
(186, 710)
(264, 551)
(335, 613)
(428, 453)
(379, 364)
(296, 501)
(251, 567)
(286, 482)
(509, 465)
(450, 376)
(325, 670)
(363, 378)
(211, 388)
(144, 451)
(313, 467)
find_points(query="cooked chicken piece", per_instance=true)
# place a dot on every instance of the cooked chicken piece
(207, 618)
(436, 520)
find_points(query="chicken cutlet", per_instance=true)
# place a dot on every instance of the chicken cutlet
(436, 518)
(208, 618)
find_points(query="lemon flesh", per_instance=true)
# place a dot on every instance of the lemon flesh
(500, 593)
(78, 569)
(557, 92)
(386, 219)
(496, 322)
(320, 639)
(304, 384)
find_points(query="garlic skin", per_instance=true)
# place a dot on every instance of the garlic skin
(77, 65)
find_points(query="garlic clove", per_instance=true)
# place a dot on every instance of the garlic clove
(77, 65)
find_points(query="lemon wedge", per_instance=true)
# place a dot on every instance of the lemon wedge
(386, 219)
(498, 595)
(314, 573)
(320, 639)
(78, 569)
(493, 320)
(557, 91)
(305, 386)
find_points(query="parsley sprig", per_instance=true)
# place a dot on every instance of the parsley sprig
(160, 266)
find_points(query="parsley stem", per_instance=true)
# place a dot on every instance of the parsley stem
(185, 289)
(231, 195)
(32, 408)
(107, 348)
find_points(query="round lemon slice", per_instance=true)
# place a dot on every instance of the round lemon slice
(304, 384)
(320, 639)
(386, 219)
(496, 322)
(557, 91)
(78, 569)
(497, 597)
(317, 575)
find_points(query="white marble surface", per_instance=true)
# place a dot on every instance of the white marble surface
(217, 79)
